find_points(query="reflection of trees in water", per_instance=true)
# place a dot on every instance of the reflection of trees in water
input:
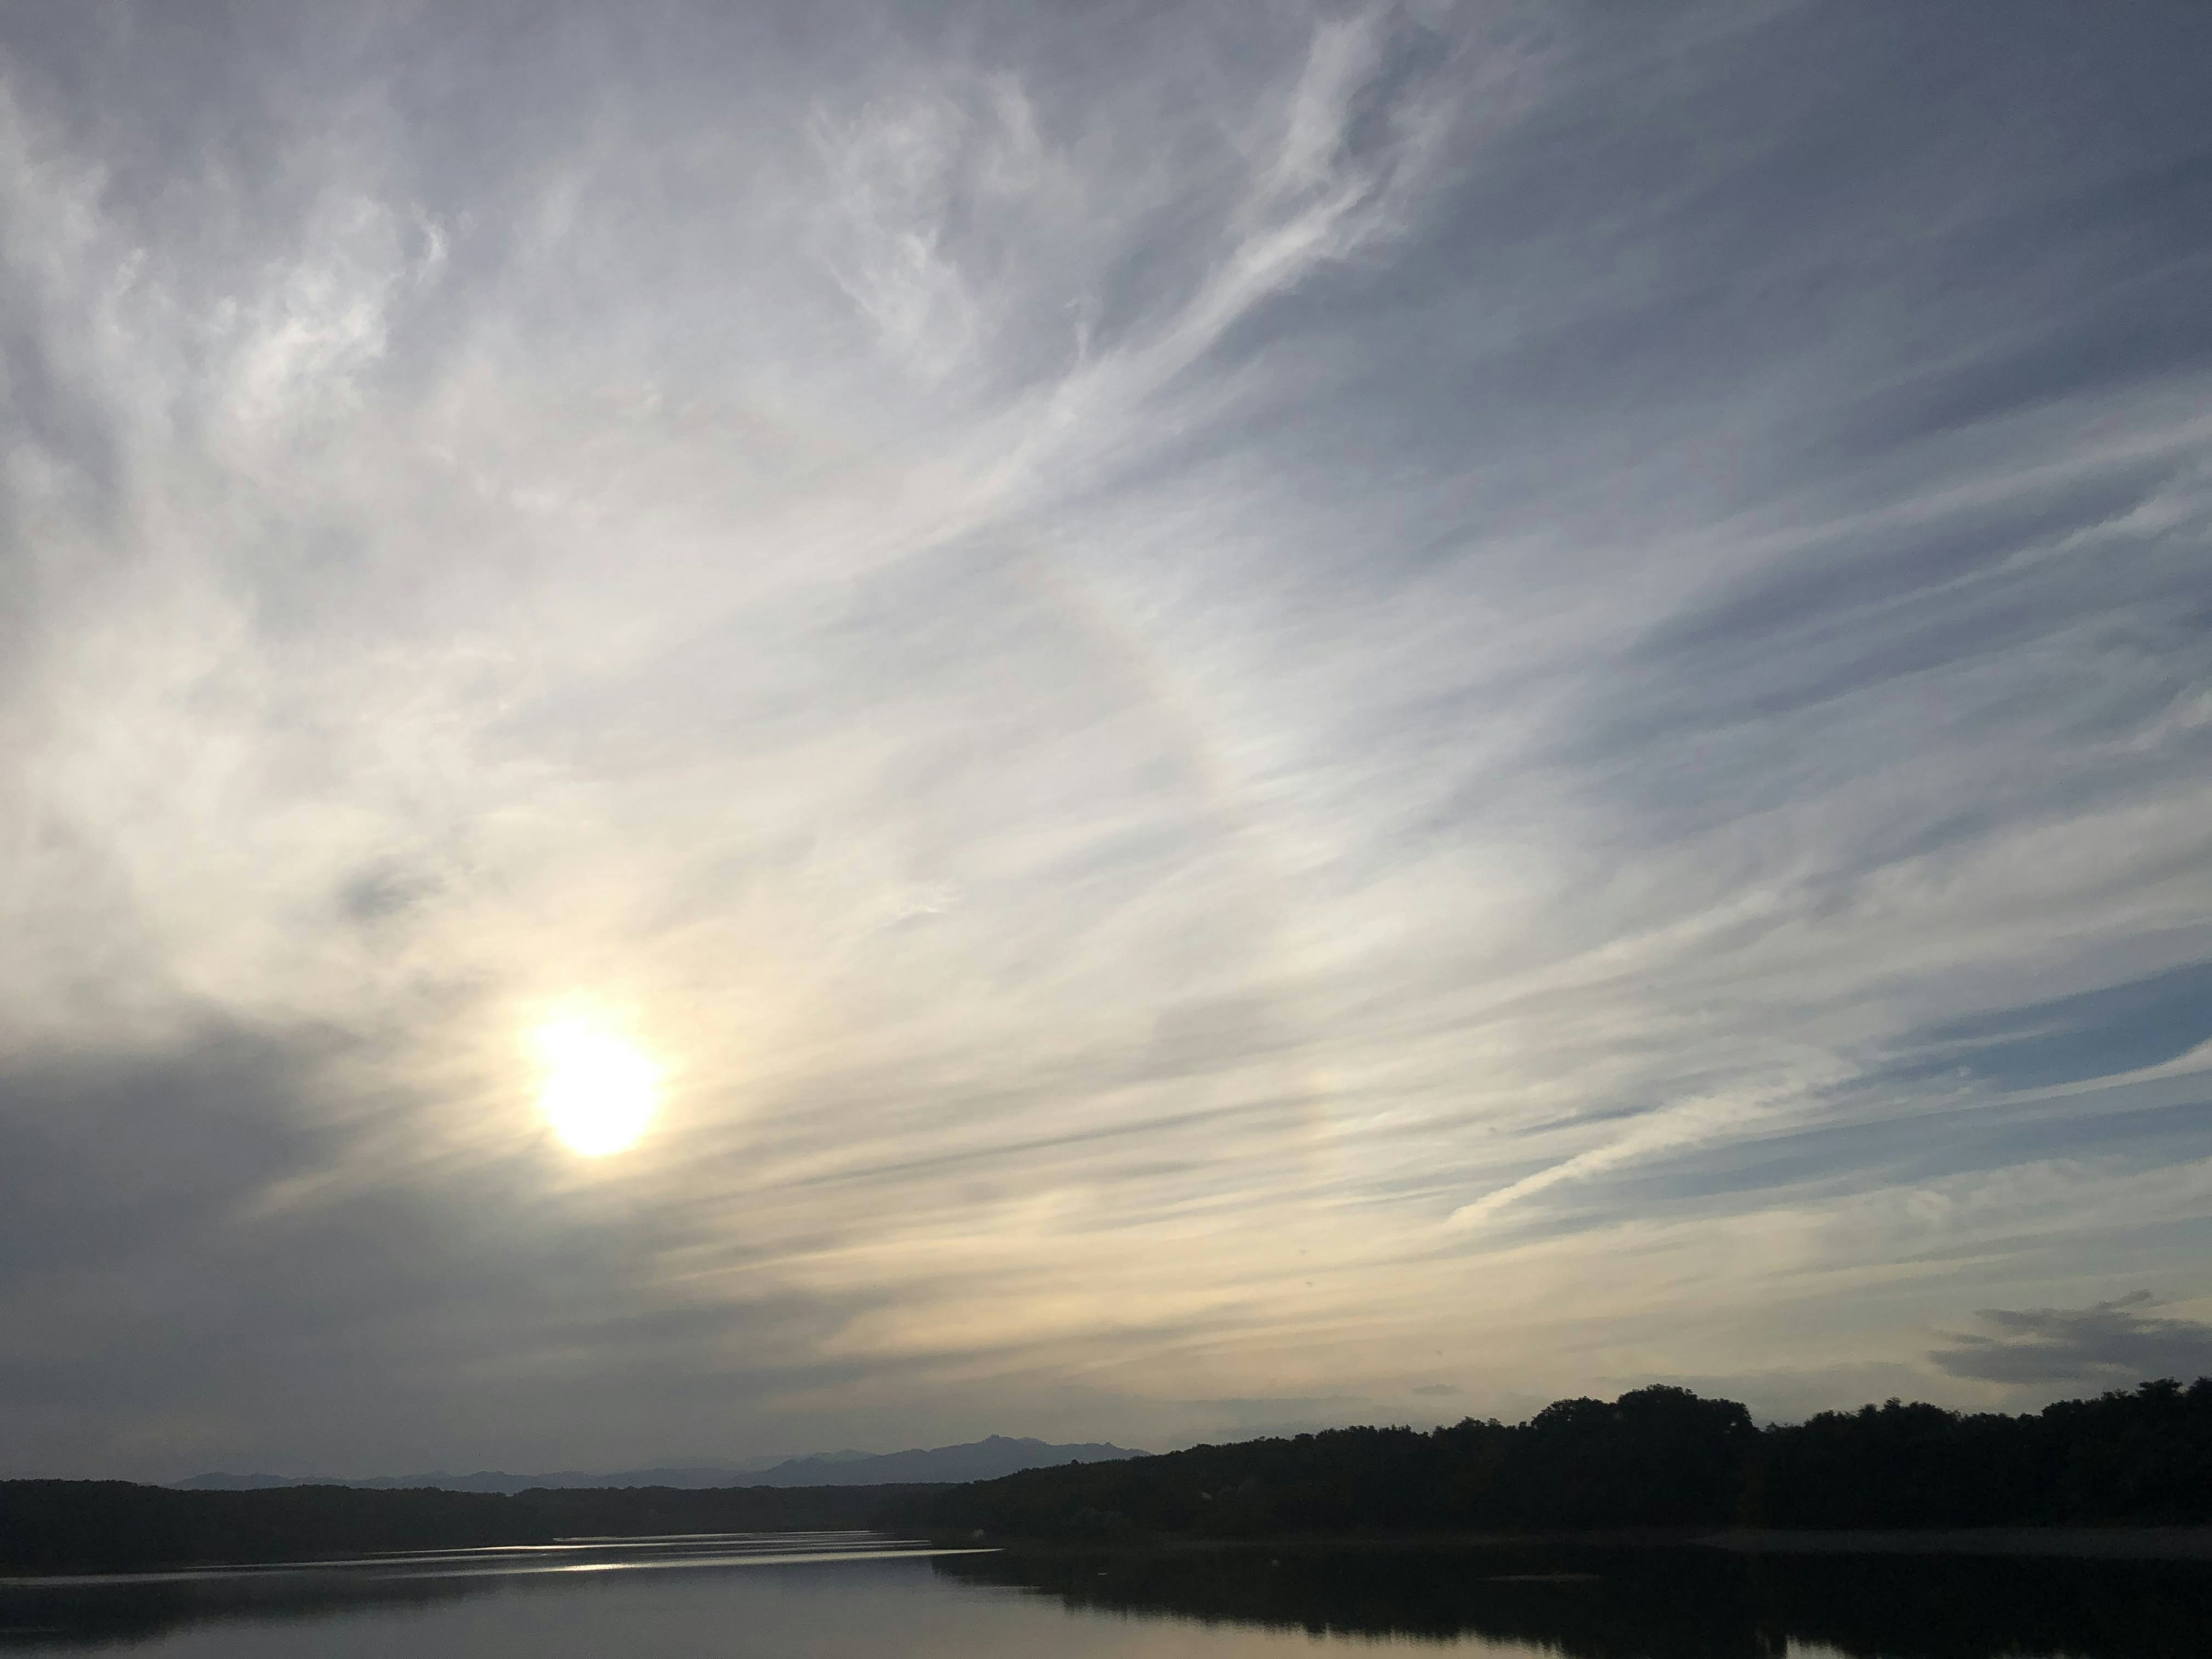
(94, 1615)
(1583, 1602)
(1681, 1604)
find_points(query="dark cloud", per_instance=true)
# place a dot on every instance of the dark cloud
(123, 1156)
(382, 893)
(191, 1272)
(2110, 1344)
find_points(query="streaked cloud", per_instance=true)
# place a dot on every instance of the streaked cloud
(1255, 705)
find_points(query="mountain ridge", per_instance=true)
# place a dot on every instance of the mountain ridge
(977, 1460)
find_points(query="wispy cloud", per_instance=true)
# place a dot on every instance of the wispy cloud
(1253, 702)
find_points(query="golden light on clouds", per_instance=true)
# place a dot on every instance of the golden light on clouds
(599, 1090)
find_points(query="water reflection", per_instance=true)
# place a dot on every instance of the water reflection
(826, 1595)
(1660, 1603)
(96, 1608)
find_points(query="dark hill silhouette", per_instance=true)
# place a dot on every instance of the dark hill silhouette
(978, 1459)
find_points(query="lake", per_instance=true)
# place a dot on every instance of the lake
(796, 1595)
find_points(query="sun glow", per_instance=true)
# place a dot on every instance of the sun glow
(601, 1090)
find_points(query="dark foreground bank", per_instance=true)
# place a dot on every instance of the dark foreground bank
(113, 1526)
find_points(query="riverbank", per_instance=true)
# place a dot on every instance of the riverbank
(2072, 1543)
(2079, 1543)
(113, 1526)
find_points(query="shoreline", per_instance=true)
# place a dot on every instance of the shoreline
(2157, 1543)
(2080, 1543)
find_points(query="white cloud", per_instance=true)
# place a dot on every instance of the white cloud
(1219, 772)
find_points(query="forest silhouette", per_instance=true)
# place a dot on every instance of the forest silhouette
(1658, 1459)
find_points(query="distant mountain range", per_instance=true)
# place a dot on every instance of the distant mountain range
(978, 1460)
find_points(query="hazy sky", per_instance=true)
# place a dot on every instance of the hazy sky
(1267, 715)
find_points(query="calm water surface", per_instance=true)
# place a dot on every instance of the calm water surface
(794, 1595)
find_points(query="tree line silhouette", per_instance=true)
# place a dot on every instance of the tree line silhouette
(1658, 1457)
(1655, 1458)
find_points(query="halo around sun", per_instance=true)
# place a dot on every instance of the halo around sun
(599, 1090)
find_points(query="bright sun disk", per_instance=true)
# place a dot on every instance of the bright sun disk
(599, 1090)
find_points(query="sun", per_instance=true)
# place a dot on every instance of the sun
(601, 1090)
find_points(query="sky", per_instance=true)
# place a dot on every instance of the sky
(1209, 718)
